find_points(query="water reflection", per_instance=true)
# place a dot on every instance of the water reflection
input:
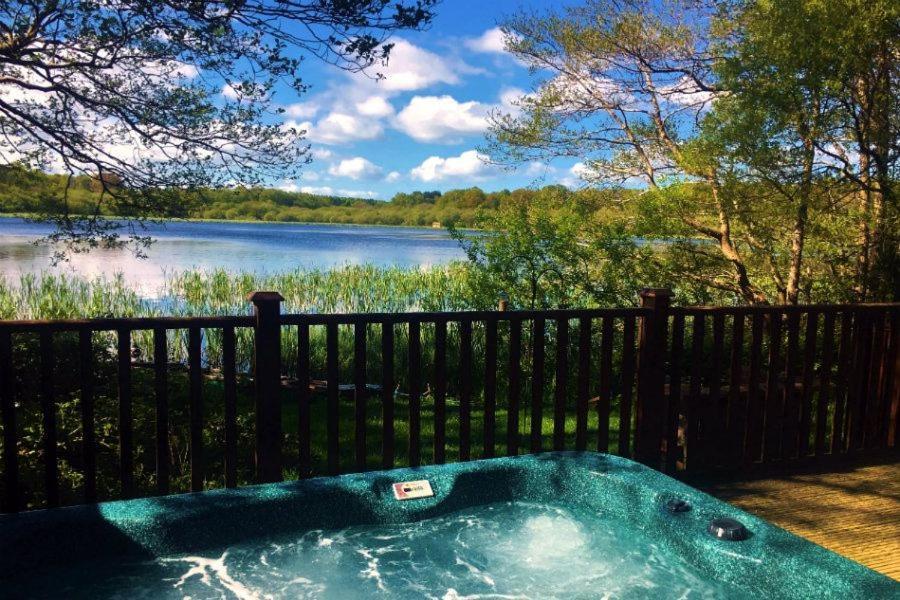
(256, 247)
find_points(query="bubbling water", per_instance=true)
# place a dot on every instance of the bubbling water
(500, 551)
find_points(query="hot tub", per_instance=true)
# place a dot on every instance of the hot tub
(567, 525)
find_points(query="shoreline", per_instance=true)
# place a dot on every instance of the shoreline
(38, 218)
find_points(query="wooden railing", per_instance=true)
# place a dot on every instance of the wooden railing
(680, 389)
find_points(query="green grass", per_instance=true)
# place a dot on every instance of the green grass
(374, 438)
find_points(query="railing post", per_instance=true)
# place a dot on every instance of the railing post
(651, 408)
(267, 364)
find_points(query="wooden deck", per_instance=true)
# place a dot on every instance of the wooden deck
(852, 510)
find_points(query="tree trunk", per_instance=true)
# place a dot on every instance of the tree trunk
(798, 233)
(749, 292)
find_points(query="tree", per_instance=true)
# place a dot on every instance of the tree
(748, 126)
(768, 127)
(129, 91)
(546, 248)
(812, 116)
(627, 84)
(860, 40)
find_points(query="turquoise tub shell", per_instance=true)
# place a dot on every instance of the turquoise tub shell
(771, 563)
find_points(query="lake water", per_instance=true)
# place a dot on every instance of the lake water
(252, 247)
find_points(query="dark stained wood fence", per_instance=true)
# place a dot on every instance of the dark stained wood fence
(682, 389)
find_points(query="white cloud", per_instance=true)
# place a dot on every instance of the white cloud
(375, 106)
(355, 168)
(229, 92)
(338, 128)
(511, 100)
(537, 168)
(471, 164)
(321, 153)
(581, 170)
(358, 106)
(686, 92)
(411, 68)
(322, 190)
(240, 91)
(571, 90)
(325, 190)
(393, 176)
(578, 175)
(491, 41)
(358, 193)
(297, 126)
(302, 110)
(430, 118)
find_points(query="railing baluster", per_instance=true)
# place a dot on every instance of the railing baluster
(753, 445)
(229, 360)
(465, 389)
(859, 380)
(440, 391)
(806, 392)
(387, 394)
(333, 393)
(892, 393)
(627, 394)
(48, 410)
(789, 396)
(126, 444)
(196, 405)
(694, 404)
(584, 382)
(737, 406)
(415, 394)
(537, 383)
(674, 400)
(841, 399)
(490, 386)
(10, 427)
(561, 392)
(89, 446)
(712, 427)
(604, 398)
(360, 394)
(824, 382)
(304, 425)
(514, 387)
(773, 410)
(874, 388)
(161, 388)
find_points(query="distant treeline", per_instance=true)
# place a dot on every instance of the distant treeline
(23, 191)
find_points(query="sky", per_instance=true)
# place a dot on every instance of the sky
(420, 127)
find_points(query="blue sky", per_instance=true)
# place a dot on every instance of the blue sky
(420, 127)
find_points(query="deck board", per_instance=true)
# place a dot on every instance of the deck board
(854, 511)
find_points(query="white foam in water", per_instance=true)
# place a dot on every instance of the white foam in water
(549, 538)
(207, 569)
(503, 551)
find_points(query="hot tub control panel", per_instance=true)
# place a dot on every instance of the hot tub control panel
(410, 490)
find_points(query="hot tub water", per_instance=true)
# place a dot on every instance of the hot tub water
(501, 550)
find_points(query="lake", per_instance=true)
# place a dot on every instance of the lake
(252, 247)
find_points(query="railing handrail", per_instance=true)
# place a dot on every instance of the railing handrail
(783, 308)
(129, 323)
(349, 318)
